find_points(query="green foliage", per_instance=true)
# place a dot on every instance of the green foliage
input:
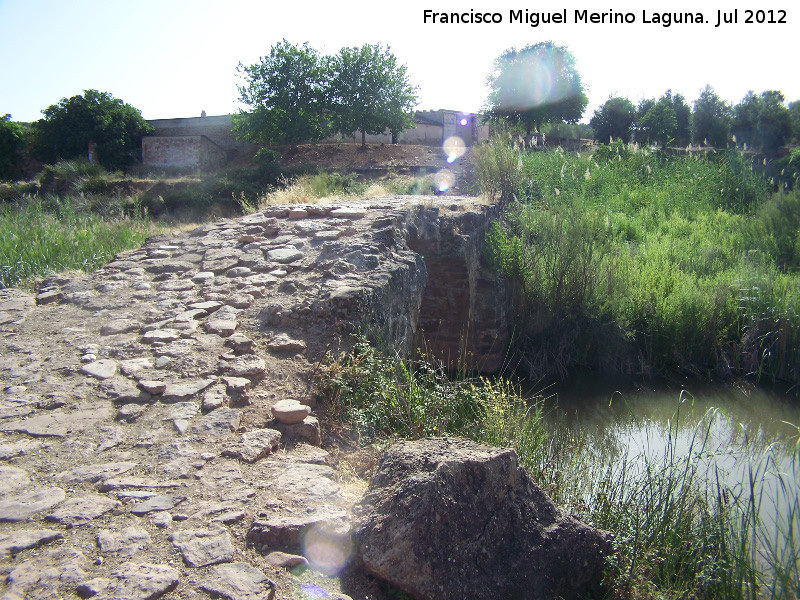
(40, 236)
(762, 122)
(499, 166)
(370, 92)
(286, 93)
(614, 120)
(794, 113)
(660, 123)
(536, 85)
(68, 127)
(632, 262)
(12, 143)
(711, 120)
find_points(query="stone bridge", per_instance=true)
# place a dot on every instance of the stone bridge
(158, 429)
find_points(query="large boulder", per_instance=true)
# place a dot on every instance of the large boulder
(446, 518)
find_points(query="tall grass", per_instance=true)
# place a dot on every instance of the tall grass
(637, 263)
(39, 236)
(683, 528)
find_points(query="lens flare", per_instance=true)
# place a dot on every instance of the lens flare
(454, 147)
(463, 122)
(444, 180)
(328, 548)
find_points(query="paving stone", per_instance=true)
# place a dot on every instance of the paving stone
(221, 475)
(210, 306)
(152, 386)
(57, 423)
(127, 482)
(46, 575)
(18, 448)
(159, 266)
(23, 539)
(222, 327)
(133, 366)
(175, 392)
(13, 479)
(182, 410)
(284, 530)
(94, 473)
(237, 581)
(290, 411)
(237, 385)
(101, 369)
(15, 411)
(79, 511)
(307, 481)
(190, 315)
(203, 547)
(161, 335)
(120, 326)
(175, 285)
(217, 424)
(284, 255)
(253, 445)
(246, 365)
(125, 542)
(19, 507)
(283, 343)
(214, 398)
(203, 277)
(122, 389)
(348, 213)
(156, 503)
(161, 519)
(136, 581)
(240, 343)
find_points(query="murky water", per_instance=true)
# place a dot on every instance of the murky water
(745, 438)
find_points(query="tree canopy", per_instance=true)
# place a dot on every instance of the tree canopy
(614, 120)
(536, 85)
(370, 92)
(68, 127)
(762, 121)
(711, 121)
(287, 95)
(12, 143)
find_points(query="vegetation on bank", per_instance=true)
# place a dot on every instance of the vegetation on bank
(634, 262)
(681, 531)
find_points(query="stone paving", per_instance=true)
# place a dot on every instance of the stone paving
(138, 447)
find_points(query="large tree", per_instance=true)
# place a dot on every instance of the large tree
(745, 119)
(711, 121)
(536, 85)
(774, 123)
(794, 112)
(12, 143)
(659, 123)
(370, 92)
(614, 120)
(68, 127)
(683, 118)
(286, 93)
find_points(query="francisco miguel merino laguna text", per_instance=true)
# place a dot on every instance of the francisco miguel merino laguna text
(610, 17)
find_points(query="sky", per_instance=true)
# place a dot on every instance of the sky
(176, 58)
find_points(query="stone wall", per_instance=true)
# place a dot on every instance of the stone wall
(192, 151)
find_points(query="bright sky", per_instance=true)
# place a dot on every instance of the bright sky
(175, 58)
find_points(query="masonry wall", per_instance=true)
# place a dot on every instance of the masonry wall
(190, 151)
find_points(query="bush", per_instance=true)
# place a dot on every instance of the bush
(499, 166)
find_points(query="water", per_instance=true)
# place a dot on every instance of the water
(745, 438)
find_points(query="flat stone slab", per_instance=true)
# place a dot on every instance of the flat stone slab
(125, 542)
(95, 473)
(14, 479)
(237, 581)
(284, 255)
(166, 266)
(156, 503)
(222, 327)
(47, 575)
(101, 369)
(182, 410)
(165, 335)
(79, 511)
(218, 423)
(284, 530)
(20, 540)
(247, 365)
(133, 581)
(203, 547)
(122, 483)
(20, 507)
(19, 448)
(132, 366)
(286, 561)
(348, 213)
(122, 389)
(119, 326)
(290, 411)
(175, 392)
(152, 386)
(254, 445)
(310, 481)
(175, 285)
(283, 343)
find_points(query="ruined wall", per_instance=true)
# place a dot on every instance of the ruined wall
(194, 151)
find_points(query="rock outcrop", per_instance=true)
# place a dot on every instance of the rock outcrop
(447, 519)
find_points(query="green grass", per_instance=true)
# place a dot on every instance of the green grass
(43, 236)
(631, 262)
(682, 530)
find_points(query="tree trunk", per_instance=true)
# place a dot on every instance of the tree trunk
(363, 139)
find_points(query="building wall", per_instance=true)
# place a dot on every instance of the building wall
(192, 151)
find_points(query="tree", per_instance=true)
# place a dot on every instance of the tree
(683, 118)
(614, 120)
(12, 142)
(659, 122)
(745, 119)
(711, 121)
(370, 92)
(774, 123)
(68, 127)
(536, 85)
(794, 112)
(287, 95)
